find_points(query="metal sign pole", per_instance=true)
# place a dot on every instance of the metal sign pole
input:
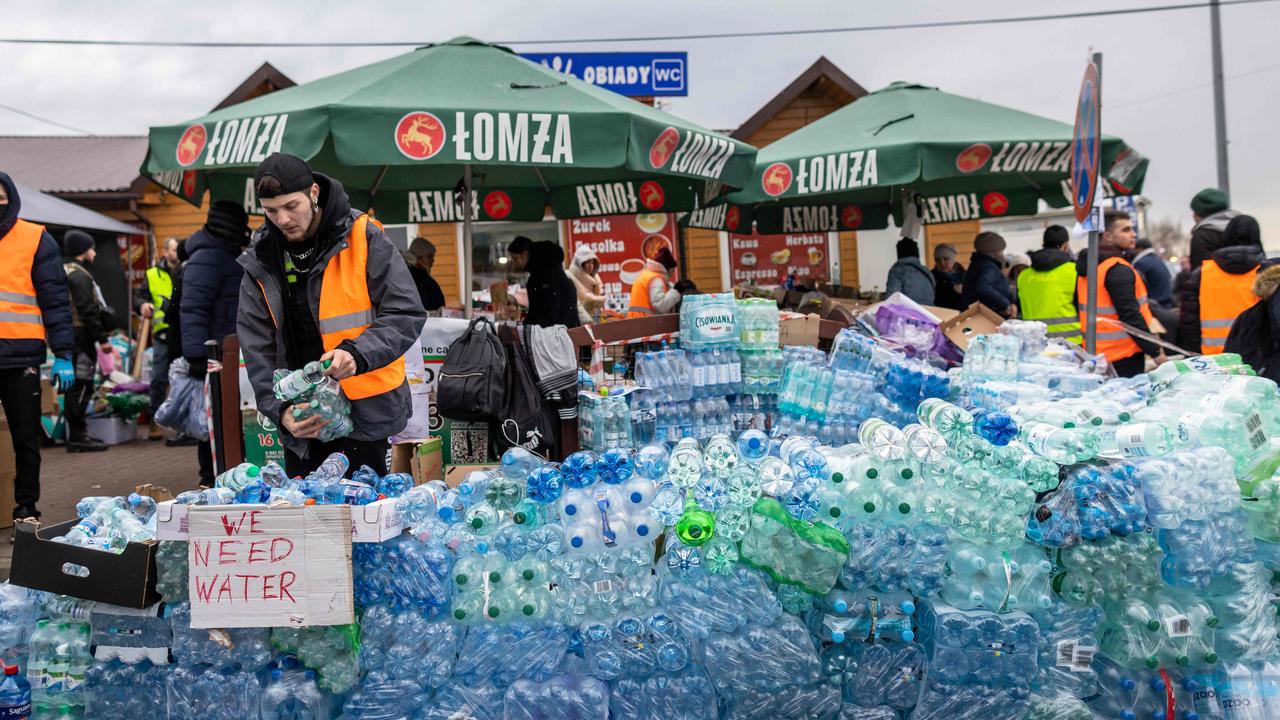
(1091, 258)
(467, 210)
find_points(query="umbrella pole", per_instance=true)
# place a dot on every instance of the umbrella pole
(467, 210)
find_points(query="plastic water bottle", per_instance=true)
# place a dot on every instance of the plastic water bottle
(686, 466)
(15, 695)
(644, 417)
(1137, 440)
(882, 439)
(753, 446)
(334, 467)
(301, 382)
(238, 476)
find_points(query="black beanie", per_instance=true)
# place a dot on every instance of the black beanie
(229, 222)
(75, 243)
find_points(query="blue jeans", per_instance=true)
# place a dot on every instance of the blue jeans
(159, 370)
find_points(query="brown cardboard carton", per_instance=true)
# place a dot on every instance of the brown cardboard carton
(977, 320)
(423, 459)
(800, 331)
(455, 474)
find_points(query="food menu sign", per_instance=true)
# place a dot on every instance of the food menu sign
(770, 259)
(622, 242)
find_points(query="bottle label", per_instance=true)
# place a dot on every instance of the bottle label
(1189, 425)
(699, 375)
(16, 712)
(1130, 440)
(1177, 626)
(1038, 437)
(735, 373)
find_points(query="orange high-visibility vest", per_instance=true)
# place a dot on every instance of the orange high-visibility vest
(20, 317)
(1112, 341)
(640, 305)
(1223, 297)
(346, 310)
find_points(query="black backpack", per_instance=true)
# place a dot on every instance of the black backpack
(472, 383)
(526, 421)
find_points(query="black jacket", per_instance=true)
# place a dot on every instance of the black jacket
(1156, 275)
(945, 293)
(96, 320)
(1235, 260)
(553, 298)
(1255, 335)
(983, 282)
(50, 282)
(428, 288)
(1121, 283)
(1206, 236)
(210, 291)
(1046, 259)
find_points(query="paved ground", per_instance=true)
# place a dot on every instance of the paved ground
(67, 477)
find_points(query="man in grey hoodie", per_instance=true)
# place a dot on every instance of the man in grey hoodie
(909, 276)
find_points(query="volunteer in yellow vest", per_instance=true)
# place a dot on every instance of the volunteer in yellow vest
(1122, 298)
(151, 300)
(322, 282)
(34, 310)
(1047, 290)
(1221, 288)
(652, 292)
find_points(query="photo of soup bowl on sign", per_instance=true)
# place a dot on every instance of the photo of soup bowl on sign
(630, 269)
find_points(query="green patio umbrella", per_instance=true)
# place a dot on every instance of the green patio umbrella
(952, 158)
(409, 136)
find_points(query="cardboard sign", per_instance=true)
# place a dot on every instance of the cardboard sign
(771, 259)
(622, 242)
(277, 567)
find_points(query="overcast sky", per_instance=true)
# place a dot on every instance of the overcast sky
(1156, 86)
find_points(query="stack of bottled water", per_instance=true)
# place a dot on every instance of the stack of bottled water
(605, 420)
(308, 392)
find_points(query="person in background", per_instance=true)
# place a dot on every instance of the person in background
(1154, 273)
(1014, 264)
(152, 299)
(652, 293)
(1255, 334)
(210, 294)
(323, 283)
(1221, 288)
(1211, 209)
(1122, 297)
(174, 341)
(948, 276)
(985, 279)
(36, 318)
(1047, 289)
(909, 276)
(421, 258)
(93, 321)
(584, 272)
(553, 298)
(1180, 280)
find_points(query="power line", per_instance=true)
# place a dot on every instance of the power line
(648, 38)
(46, 120)
(1188, 88)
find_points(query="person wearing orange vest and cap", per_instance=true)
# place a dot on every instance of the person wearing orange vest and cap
(35, 312)
(1122, 298)
(1221, 288)
(652, 292)
(323, 282)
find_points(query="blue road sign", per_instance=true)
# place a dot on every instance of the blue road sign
(635, 74)
(1086, 144)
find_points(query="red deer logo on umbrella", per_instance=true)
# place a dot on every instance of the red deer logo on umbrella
(420, 135)
(662, 148)
(497, 204)
(995, 203)
(189, 183)
(776, 179)
(732, 217)
(851, 216)
(191, 144)
(651, 195)
(973, 158)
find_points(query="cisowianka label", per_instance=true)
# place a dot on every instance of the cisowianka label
(715, 323)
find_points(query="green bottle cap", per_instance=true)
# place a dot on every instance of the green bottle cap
(1182, 661)
(907, 473)
(837, 477)
(834, 512)
(527, 574)
(253, 471)
(868, 507)
(1211, 657)
(528, 609)
(904, 508)
(459, 614)
(493, 612)
(1153, 625)
(1213, 622)
(460, 578)
(495, 576)
(519, 518)
(326, 364)
(477, 523)
(1153, 662)
(872, 474)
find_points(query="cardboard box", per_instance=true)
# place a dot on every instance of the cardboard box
(112, 430)
(375, 522)
(261, 439)
(977, 320)
(800, 331)
(127, 578)
(455, 474)
(48, 398)
(423, 459)
(7, 504)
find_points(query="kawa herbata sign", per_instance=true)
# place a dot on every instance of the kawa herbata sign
(398, 134)
(954, 157)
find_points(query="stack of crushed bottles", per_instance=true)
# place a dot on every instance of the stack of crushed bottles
(1072, 546)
